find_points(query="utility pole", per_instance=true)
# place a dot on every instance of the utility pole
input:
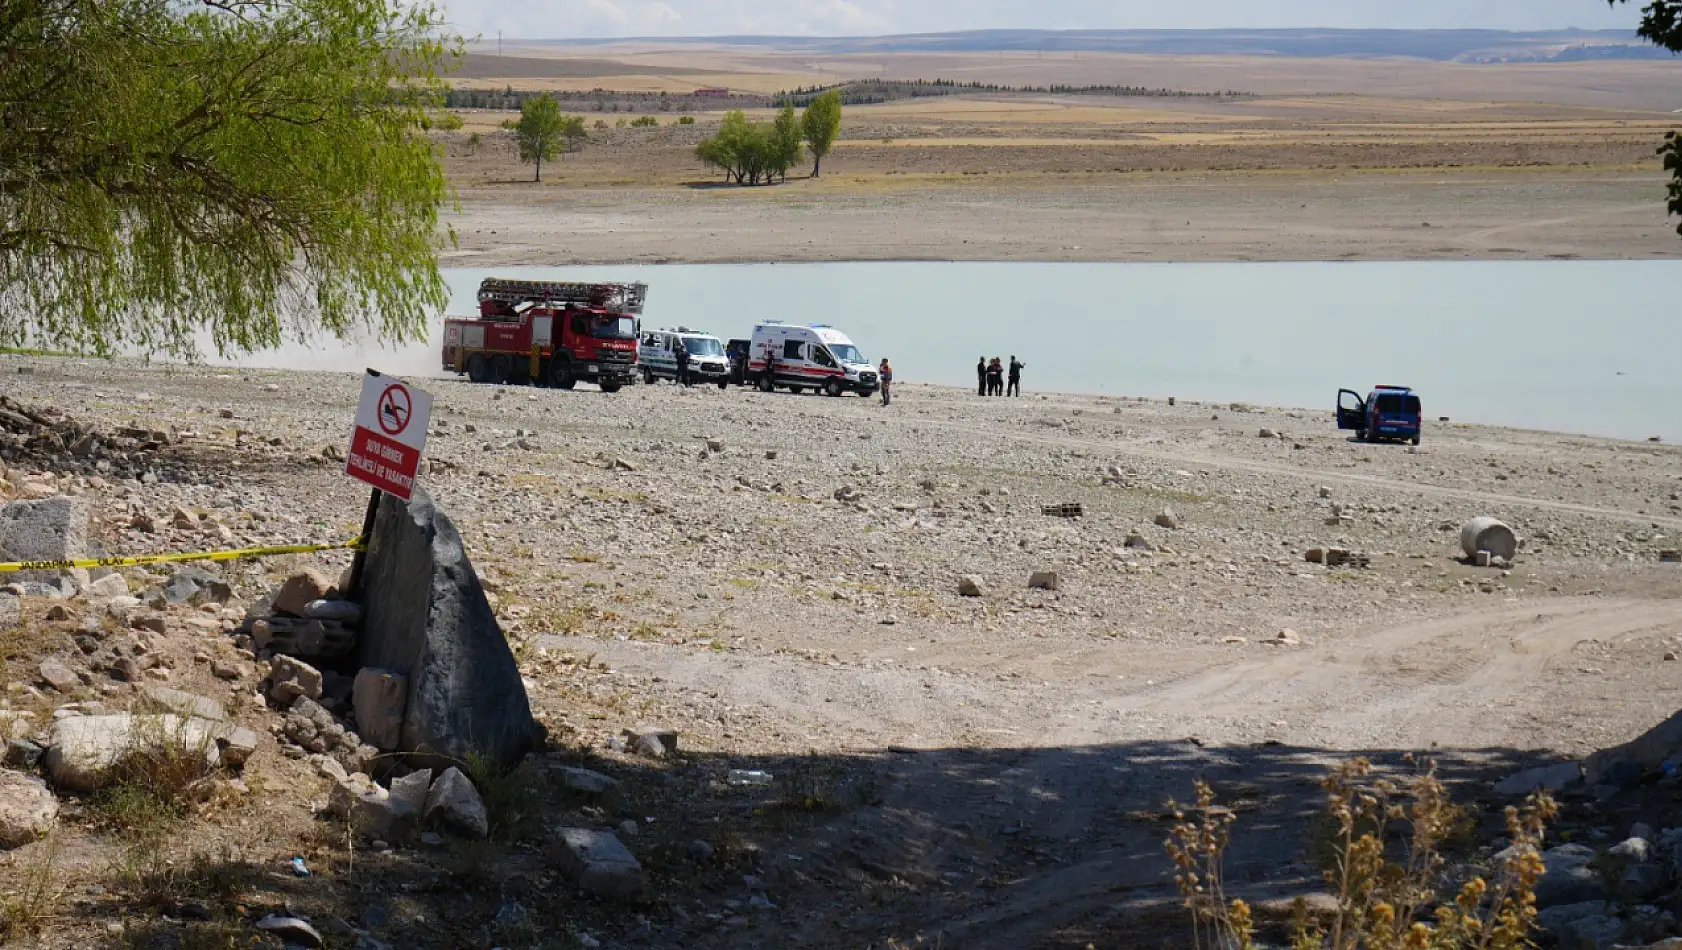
(499, 42)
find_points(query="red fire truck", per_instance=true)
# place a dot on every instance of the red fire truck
(552, 333)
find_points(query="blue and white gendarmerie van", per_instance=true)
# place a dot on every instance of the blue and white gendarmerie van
(1388, 412)
(798, 357)
(657, 355)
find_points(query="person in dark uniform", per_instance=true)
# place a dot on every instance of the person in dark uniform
(995, 378)
(1015, 388)
(981, 376)
(682, 353)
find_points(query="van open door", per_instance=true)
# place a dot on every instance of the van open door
(1351, 410)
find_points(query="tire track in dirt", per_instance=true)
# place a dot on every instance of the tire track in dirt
(1077, 764)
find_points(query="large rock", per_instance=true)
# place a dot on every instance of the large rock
(598, 863)
(52, 529)
(1569, 878)
(380, 698)
(111, 585)
(27, 809)
(82, 750)
(290, 678)
(59, 676)
(1620, 765)
(194, 586)
(1554, 919)
(1591, 933)
(408, 801)
(454, 803)
(362, 803)
(300, 589)
(426, 617)
(376, 812)
(180, 702)
(298, 637)
(1551, 778)
(590, 784)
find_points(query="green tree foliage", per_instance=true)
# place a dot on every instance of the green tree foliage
(1661, 22)
(749, 153)
(543, 133)
(788, 138)
(822, 123)
(252, 171)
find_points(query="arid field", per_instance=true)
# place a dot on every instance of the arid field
(1314, 159)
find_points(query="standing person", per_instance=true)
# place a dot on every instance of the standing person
(682, 353)
(886, 374)
(1015, 377)
(995, 378)
(981, 376)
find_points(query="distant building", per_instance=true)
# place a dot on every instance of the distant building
(719, 92)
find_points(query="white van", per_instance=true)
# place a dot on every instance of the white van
(657, 354)
(798, 357)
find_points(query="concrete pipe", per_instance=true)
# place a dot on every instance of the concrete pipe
(1487, 534)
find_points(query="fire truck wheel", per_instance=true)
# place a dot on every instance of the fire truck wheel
(476, 367)
(832, 388)
(499, 370)
(797, 390)
(764, 383)
(610, 387)
(648, 376)
(560, 373)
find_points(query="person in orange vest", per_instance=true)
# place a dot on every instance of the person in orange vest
(887, 379)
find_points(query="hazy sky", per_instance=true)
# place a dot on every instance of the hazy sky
(548, 19)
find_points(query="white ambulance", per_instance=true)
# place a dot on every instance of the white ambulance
(657, 355)
(813, 356)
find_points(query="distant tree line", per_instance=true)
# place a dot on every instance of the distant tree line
(874, 91)
(597, 100)
(861, 92)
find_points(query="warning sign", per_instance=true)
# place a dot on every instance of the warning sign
(391, 423)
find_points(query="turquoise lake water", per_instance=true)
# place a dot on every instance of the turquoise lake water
(1576, 346)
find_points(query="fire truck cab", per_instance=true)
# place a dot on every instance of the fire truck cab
(553, 333)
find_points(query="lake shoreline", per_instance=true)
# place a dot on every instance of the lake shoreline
(1420, 215)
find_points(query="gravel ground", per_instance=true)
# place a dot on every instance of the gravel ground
(694, 544)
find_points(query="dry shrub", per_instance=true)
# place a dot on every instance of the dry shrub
(200, 935)
(151, 875)
(30, 894)
(1384, 902)
(512, 797)
(153, 785)
(472, 864)
(22, 645)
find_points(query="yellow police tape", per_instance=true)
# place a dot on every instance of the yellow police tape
(8, 567)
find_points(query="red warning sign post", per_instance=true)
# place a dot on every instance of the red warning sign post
(390, 435)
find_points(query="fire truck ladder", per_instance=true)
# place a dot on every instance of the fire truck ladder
(617, 298)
